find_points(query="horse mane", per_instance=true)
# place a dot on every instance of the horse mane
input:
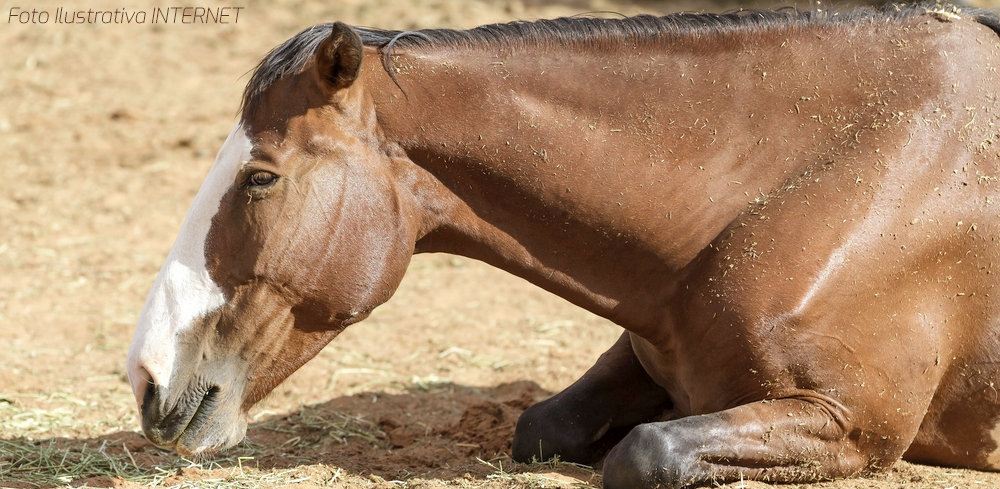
(291, 56)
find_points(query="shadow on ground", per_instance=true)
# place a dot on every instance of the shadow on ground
(444, 431)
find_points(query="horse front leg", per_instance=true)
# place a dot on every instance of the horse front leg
(785, 440)
(581, 423)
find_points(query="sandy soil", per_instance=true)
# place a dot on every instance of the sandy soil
(106, 132)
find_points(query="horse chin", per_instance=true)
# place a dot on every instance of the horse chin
(206, 441)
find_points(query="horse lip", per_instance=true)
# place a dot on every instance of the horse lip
(163, 430)
(206, 407)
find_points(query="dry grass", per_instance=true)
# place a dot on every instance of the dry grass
(331, 427)
(60, 462)
(44, 463)
(541, 475)
(32, 456)
(55, 461)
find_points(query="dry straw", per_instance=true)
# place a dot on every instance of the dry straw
(62, 461)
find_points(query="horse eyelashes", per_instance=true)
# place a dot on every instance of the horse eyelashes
(261, 179)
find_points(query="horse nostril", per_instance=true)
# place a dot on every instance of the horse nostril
(140, 378)
(149, 408)
(147, 397)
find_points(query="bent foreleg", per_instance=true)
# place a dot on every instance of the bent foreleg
(785, 440)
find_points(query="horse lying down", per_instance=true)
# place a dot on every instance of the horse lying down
(794, 216)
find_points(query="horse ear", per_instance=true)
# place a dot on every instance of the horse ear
(338, 58)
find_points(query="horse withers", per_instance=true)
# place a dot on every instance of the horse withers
(794, 216)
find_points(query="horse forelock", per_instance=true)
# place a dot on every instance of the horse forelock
(292, 56)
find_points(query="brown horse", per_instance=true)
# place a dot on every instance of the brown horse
(794, 216)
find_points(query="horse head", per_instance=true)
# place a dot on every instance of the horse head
(299, 230)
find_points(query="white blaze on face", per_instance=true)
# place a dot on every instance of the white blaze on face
(183, 290)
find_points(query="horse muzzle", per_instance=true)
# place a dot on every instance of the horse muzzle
(199, 417)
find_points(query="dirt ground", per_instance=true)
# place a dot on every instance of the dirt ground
(106, 132)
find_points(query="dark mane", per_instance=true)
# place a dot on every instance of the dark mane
(291, 56)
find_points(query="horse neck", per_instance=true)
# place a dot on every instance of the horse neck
(599, 176)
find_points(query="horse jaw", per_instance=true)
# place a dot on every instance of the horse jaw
(183, 291)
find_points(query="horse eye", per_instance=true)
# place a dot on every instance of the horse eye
(261, 179)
